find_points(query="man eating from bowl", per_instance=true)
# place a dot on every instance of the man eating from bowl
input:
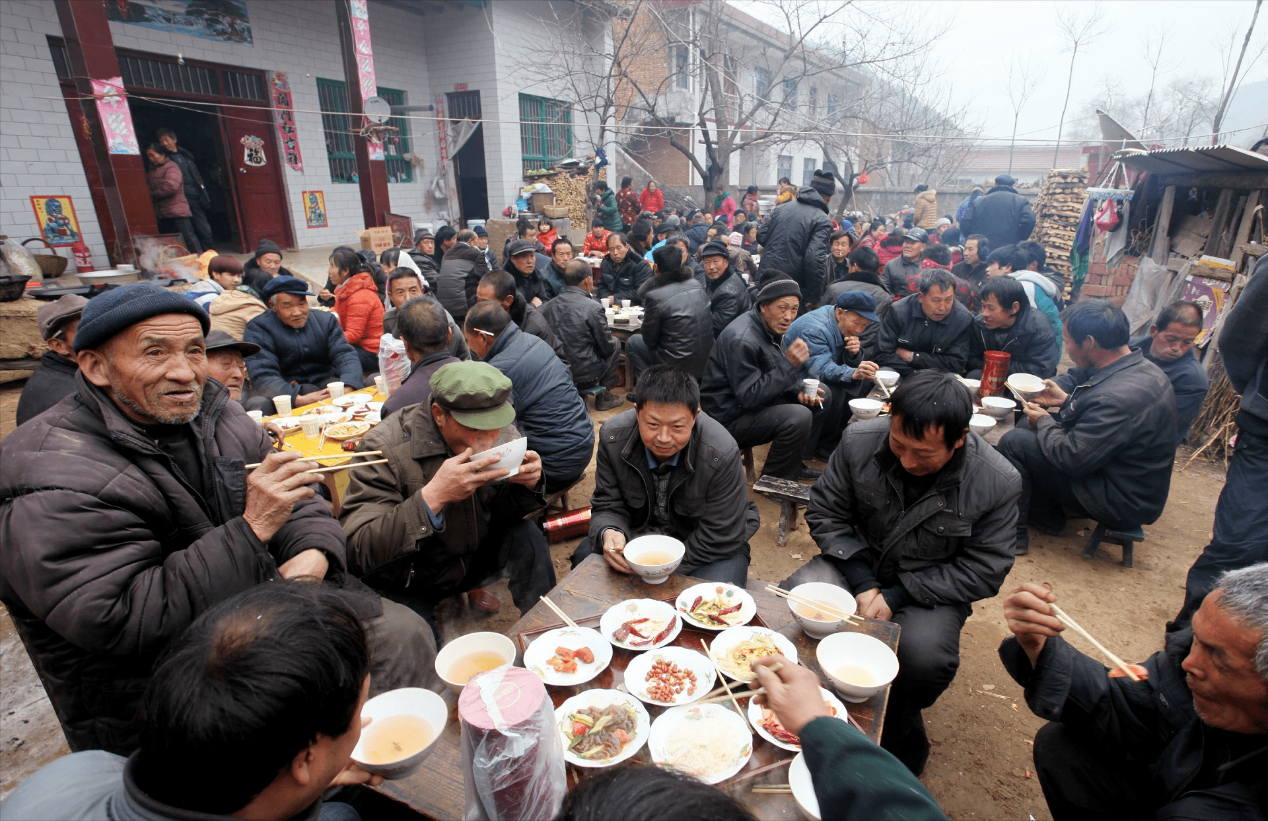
(432, 521)
(667, 468)
(916, 516)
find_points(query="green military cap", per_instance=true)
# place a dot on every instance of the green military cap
(476, 394)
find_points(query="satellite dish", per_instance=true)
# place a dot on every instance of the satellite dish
(377, 110)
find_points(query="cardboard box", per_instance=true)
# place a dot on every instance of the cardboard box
(377, 239)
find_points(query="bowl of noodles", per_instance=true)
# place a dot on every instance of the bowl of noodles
(736, 648)
(709, 742)
(599, 728)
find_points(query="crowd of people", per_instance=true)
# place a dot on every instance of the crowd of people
(164, 590)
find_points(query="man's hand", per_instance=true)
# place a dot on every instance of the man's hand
(872, 605)
(312, 398)
(530, 470)
(792, 692)
(458, 478)
(866, 370)
(1051, 396)
(307, 564)
(537, 301)
(613, 550)
(811, 401)
(1034, 413)
(1029, 617)
(274, 488)
(903, 354)
(352, 774)
(853, 344)
(798, 352)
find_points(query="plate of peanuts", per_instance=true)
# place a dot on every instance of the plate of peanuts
(568, 655)
(669, 676)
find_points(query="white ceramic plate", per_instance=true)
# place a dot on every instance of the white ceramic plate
(755, 718)
(350, 399)
(659, 612)
(729, 593)
(542, 650)
(287, 423)
(732, 636)
(712, 724)
(636, 674)
(602, 698)
(803, 787)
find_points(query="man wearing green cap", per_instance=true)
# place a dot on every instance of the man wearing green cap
(432, 521)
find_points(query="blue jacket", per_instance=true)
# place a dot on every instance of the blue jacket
(312, 355)
(1188, 379)
(548, 409)
(829, 360)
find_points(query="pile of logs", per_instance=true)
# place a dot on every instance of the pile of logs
(570, 192)
(1057, 211)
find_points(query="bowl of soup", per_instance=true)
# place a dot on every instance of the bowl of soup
(472, 654)
(404, 727)
(820, 614)
(858, 665)
(654, 558)
(1027, 385)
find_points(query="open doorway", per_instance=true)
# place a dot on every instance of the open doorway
(469, 168)
(197, 130)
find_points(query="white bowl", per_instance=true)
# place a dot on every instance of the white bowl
(413, 701)
(511, 455)
(658, 572)
(974, 386)
(830, 594)
(468, 645)
(866, 408)
(887, 377)
(997, 407)
(857, 650)
(1026, 384)
(981, 424)
(113, 275)
(803, 788)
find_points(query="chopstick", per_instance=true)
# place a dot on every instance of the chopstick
(884, 389)
(760, 691)
(1073, 625)
(358, 453)
(348, 466)
(722, 678)
(560, 613)
(772, 789)
(1020, 398)
(829, 609)
(717, 691)
(754, 773)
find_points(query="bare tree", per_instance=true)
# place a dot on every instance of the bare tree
(1234, 78)
(1078, 31)
(1020, 87)
(1155, 46)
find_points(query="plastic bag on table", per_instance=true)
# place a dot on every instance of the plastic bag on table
(1145, 297)
(512, 758)
(394, 365)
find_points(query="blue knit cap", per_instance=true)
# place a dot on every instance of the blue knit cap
(111, 312)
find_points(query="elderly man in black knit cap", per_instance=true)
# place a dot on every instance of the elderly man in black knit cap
(795, 237)
(752, 387)
(126, 511)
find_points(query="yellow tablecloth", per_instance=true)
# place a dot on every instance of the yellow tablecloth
(332, 452)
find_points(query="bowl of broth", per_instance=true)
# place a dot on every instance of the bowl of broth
(404, 726)
(858, 665)
(472, 654)
(654, 558)
(820, 619)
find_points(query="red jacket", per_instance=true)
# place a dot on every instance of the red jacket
(167, 189)
(548, 239)
(595, 247)
(627, 204)
(751, 206)
(360, 312)
(651, 200)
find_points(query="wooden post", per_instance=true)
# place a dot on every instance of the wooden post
(371, 174)
(1222, 208)
(1162, 226)
(1243, 230)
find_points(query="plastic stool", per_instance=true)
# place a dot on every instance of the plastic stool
(1121, 536)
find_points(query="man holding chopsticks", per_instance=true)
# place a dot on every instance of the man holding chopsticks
(126, 511)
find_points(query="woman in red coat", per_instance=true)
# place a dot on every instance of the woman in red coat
(652, 199)
(167, 190)
(358, 305)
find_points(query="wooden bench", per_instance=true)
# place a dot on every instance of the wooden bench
(592, 392)
(790, 495)
(1125, 537)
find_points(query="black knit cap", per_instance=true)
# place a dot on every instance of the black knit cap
(267, 246)
(773, 285)
(715, 248)
(114, 311)
(824, 183)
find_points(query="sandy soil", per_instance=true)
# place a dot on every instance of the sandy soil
(981, 764)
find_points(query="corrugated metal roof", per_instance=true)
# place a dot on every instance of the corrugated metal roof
(1210, 159)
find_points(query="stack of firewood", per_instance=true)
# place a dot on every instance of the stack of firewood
(570, 192)
(1057, 211)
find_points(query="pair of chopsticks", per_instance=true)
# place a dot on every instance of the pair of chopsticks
(344, 466)
(837, 613)
(772, 789)
(710, 698)
(1073, 625)
(558, 612)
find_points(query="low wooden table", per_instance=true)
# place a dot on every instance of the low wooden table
(623, 332)
(436, 789)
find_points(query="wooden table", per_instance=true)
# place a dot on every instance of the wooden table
(436, 789)
(331, 452)
(623, 332)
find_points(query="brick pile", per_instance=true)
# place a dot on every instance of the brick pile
(1057, 211)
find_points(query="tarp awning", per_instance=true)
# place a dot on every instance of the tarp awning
(1213, 159)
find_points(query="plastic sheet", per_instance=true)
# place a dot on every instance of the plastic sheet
(512, 758)
(1147, 295)
(394, 365)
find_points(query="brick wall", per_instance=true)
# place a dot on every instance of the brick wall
(1104, 282)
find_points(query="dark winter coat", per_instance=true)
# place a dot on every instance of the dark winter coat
(728, 298)
(608, 211)
(53, 381)
(975, 275)
(530, 286)
(678, 323)
(707, 499)
(623, 281)
(109, 554)
(941, 345)
(290, 358)
(895, 273)
(532, 322)
(1245, 350)
(457, 340)
(747, 371)
(455, 283)
(1002, 215)
(952, 546)
(255, 277)
(417, 386)
(1188, 379)
(582, 329)
(1115, 439)
(794, 240)
(195, 191)
(1030, 343)
(548, 409)
(1150, 726)
(861, 281)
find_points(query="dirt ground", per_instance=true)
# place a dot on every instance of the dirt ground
(981, 730)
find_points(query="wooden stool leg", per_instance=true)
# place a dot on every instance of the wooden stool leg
(788, 510)
(1128, 559)
(1098, 534)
